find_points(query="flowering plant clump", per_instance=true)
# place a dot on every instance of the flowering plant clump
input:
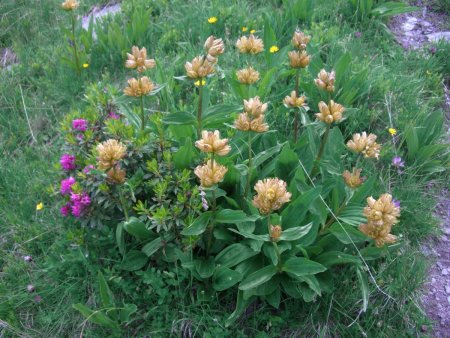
(216, 190)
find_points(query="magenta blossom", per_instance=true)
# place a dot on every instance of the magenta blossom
(65, 209)
(397, 162)
(79, 124)
(88, 168)
(66, 185)
(113, 115)
(358, 34)
(67, 162)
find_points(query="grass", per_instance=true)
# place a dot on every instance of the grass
(408, 85)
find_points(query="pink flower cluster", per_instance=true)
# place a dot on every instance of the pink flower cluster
(79, 124)
(67, 162)
(66, 185)
(77, 205)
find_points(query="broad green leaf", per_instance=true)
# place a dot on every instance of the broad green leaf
(412, 140)
(270, 252)
(234, 254)
(352, 215)
(274, 298)
(137, 228)
(120, 240)
(312, 282)
(264, 238)
(180, 119)
(106, 295)
(229, 216)
(362, 277)
(205, 267)
(96, 317)
(241, 305)
(258, 277)
(331, 258)
(295, 212)
(224, 278)
(150, 248)
(299, 266)
(198, 226)
(363, 191)
(292, 234)
(134, 260)
(347, 234)
(126, 312)
(266, 154)
(291, 287)
(286, 163)
(185, 155)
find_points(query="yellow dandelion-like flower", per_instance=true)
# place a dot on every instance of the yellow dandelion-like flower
(212, 143)
(85, 65)
(271, 195)
(212, 20)
(198, 84)
(253, 31)
(274, 49)
(392, 131)
(244, 29)
(40, 206)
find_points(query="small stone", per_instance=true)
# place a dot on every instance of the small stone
(439, 264)
(435, 37)
(433, 280)
(447, 231)
(447, 288)
(423, 328)
(444, 272)
(448, 299)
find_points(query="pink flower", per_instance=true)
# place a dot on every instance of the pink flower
(79, 124)
(67, 162)
(65, 210)
(88, 169)
(113, 115)
(77, 209)
(66, 185)
(30, 288)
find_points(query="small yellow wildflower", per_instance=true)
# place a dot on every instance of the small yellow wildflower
(274, 49)
(212, 20)
(40, 206)
(244, 29)
(253, 31)
(85, 65)
(392, 131)
(197, 83)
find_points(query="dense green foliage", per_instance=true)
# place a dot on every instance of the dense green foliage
(138, 273)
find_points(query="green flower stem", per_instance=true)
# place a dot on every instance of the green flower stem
(142, 112)
(323, 142)
(74, 40)
(249, 172)
(297, 78)
(199, 109)
(277, 251)
(213, 222)
(124, 207)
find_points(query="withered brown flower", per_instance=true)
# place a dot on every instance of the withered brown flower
(300, 40)
(250, 45)
(116, 175)
(210, 173)
(353, 179)
(271, 195)
(138, 60)
(365, 144)
(299, 59)
(275, 232)
(70, 5)
(211, 143)
(331, 112)
(293, 101)
(200, 67)
(109, 153)
(325, 80)
(139, 87)
(254, 106)
(247, 75)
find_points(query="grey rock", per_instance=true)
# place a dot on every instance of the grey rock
(435, 37)
(447, 288)
(444, 272)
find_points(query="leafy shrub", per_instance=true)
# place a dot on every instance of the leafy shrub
(133, 169)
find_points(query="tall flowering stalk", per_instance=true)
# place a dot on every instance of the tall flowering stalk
(250, 45)
(328, 113)
(211, 172)
(201, 67)
(70, 6)
(251, 120)
(141, 86)
(298, 59)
